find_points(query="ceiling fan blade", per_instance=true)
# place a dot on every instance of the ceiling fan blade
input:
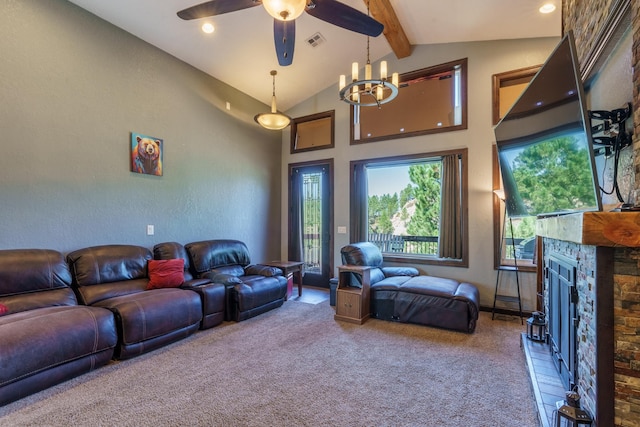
(344, 16)
(284, 36)
(216, 7)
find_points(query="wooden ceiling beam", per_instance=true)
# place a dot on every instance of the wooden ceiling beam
(382, 11)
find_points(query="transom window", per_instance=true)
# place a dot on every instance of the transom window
(412, 207)
(429, 100)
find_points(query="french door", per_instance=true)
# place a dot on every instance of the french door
(310, 222)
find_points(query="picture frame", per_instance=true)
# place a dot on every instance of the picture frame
(146, 154)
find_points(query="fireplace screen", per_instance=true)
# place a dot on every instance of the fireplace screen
(563, 319)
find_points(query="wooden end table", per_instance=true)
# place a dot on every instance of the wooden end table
(294, 268)
(352, 302)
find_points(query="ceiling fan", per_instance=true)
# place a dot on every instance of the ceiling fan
(285, 12)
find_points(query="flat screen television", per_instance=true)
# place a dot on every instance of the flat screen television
(544, 143)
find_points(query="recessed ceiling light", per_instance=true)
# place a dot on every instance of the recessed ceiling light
(547, 8)
(208, 27)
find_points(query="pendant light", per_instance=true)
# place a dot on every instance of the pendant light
(273, 120)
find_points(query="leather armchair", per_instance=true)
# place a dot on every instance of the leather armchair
(45, 336)
(115, 277)
(250, 289)
(212, 295)
(401, 294)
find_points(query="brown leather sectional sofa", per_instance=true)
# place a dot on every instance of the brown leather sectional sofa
(60, 318)
(115, 277)
(45, 336)
(250, 289)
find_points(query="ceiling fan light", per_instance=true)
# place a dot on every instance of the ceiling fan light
(285, 10)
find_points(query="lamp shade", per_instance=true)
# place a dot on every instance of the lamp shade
(272, 121)
(284, 10)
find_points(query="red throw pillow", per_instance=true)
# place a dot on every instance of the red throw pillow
(165, 273)
(3, 309)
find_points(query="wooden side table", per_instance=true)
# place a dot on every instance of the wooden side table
(352, 302)
(293, 268)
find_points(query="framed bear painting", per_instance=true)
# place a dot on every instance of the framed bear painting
(146, 154)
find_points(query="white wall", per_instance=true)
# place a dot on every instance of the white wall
(72, 88)
(484, 60)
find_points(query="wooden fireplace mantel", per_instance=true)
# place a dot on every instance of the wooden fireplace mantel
(611, 229)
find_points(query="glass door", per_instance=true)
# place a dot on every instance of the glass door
(310, 202)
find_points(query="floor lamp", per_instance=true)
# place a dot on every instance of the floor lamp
(497, 296)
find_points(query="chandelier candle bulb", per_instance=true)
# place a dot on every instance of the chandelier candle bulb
(367, 75)
(343, 82)
(383, 70)
(395, 80)
(354, 71)
(379, 93)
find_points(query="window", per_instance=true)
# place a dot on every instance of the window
(507, 88)
(519, 247)
(313, 132)
(413, 207)
(429, 100)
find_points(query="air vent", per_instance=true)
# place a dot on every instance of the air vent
(316, 40)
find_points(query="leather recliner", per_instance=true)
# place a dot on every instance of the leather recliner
(45, 336)
(212, 295)
(400, 294)
(251, 289)
(116, 277)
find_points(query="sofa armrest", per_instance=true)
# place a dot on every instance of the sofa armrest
(400, 271)
(194, 283)
(262, 270)
(225, 279)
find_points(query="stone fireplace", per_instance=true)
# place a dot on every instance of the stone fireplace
(601, 251)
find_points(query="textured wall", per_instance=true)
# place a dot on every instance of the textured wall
(72, 88)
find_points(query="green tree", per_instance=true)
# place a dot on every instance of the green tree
(426, 219)
(381, 210)
(406, 195)
(555, 175)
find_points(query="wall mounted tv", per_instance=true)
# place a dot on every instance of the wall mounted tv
(544, 143)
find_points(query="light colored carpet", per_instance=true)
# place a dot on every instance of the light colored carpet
(297, 366)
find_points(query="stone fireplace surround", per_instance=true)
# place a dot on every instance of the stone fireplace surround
(606, 249)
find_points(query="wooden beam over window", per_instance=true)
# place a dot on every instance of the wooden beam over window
(383, 12)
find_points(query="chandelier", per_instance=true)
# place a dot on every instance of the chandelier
(368, 92)
(273, 120)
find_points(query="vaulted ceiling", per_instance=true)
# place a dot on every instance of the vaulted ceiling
(240, 52)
